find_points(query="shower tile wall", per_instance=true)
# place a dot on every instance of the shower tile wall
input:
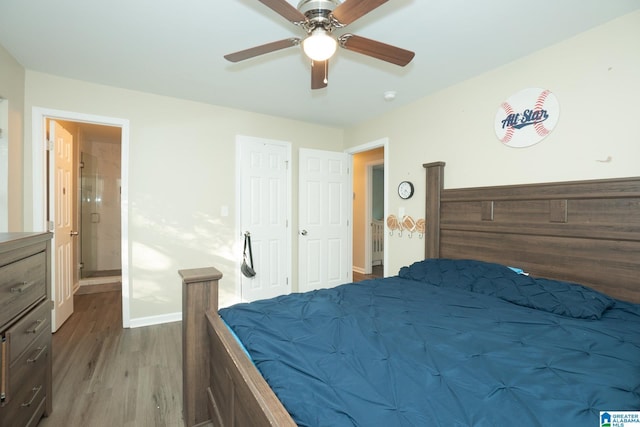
(106, 218)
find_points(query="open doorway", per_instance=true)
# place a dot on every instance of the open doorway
(369, 207)
(106, 131)
(375, 189)
(86, 162)
(99, 218)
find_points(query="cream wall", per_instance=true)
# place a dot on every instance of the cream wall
(12, 78)
(596, 78)
(181, 173)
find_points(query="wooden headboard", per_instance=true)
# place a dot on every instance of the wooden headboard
(586, 232)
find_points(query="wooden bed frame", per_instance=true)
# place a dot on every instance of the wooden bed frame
(582, 231)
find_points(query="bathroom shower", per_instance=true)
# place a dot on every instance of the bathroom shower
(100, 253)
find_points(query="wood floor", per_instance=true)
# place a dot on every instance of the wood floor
(104, 375)
(375, 273)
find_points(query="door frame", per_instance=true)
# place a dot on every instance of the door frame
(4, 164)
(384, 143)
(368, 252)
(39, 182)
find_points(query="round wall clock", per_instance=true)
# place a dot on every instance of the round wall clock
(405, 190)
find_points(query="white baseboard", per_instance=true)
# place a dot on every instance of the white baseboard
(155, 320)
(358, 269)
(100, 280)
(92, 288)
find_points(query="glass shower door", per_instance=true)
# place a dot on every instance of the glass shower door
(89, 216)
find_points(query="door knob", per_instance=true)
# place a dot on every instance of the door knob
(303, 232)
(73, 233)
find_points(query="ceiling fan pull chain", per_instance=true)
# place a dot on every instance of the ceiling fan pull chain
(326, 72)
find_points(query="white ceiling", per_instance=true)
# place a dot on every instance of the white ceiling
(176, 48)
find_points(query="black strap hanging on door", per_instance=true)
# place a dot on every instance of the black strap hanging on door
(247, 269)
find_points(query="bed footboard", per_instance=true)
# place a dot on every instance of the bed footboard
(220, 384)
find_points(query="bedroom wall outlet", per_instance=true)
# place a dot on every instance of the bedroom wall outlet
(224, 211)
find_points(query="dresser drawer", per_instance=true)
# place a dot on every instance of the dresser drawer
(27, 384)
(20, 415)
(22, 283)
(23, 333)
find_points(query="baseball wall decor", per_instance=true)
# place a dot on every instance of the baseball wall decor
(527, 117)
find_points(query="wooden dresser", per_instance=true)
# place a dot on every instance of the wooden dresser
(25, 328)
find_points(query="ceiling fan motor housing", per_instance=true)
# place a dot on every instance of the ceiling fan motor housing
(317, 11)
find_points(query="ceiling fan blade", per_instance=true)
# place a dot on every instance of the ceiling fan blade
(261, 50)
(284, 9)
(319, 74)
(376, 49)
(351, 10)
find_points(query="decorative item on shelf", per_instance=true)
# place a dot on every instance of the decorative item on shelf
(409, 224)
(420, 227)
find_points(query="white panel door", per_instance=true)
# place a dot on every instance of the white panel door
(264, 211)
(60, 214)
(324, 211)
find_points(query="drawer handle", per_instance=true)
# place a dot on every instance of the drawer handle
(22, 287)
(35, 391)
(41, 350)
(36, 326)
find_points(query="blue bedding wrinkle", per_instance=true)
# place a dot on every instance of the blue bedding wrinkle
(405, 352)
(507, 283)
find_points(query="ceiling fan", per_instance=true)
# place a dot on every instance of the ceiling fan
(319, 18)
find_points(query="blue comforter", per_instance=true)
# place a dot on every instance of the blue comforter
(456, 343)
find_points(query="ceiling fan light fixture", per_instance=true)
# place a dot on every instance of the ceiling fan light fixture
(319, 46)
(319, 19)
